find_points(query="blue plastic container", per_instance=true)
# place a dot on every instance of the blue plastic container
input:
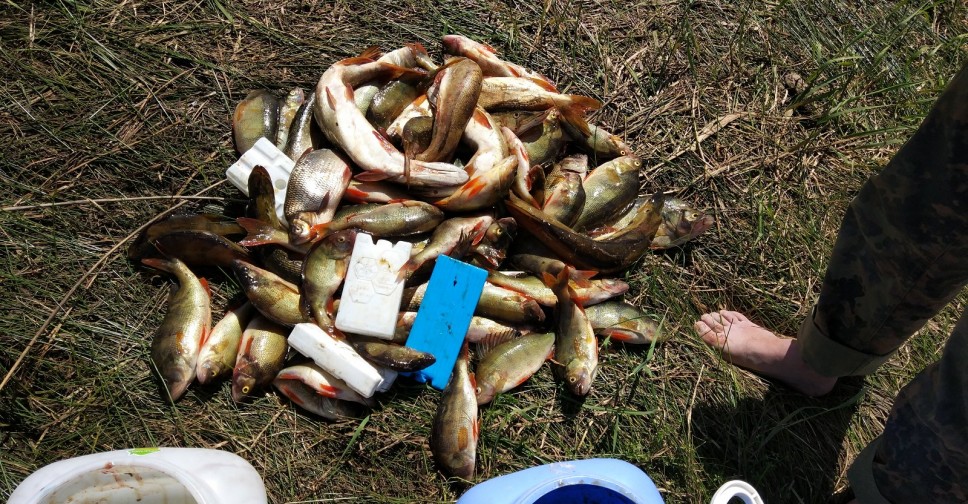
(592, 481)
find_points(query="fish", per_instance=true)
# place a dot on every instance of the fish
(402, 218)
(255, 117)
(680, 223)
(389, 101)
(455, 431)
(598, 290)
(576, 349)
(494, 303)
(315, 188)
(349, 129)
(273, 297)
(520, 93)
(176, 342)
(216, 224)
(624, 322)
(262, 198)
(487, 331)
(218, 352)
(261, 233)
(285, 263)
(488, 60)
(566, 201)
(484, 189)
(323, 383)
(304, 133)
(598, 142)
(391, 355)
(544, 144)
(609, 189)
(520, 121)
(539, 265)
(419, 108)
(528, 285)
(510, 364)
(288, 109)
(323, 272)
(374, 192)
(576, 163)
(416, 137)
(450, 236)
(492, 249)
(605, 256)
(453, 98)
(262, 354)
(200, 248)
(306, 398)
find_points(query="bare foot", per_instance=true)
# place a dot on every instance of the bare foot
(748, 345)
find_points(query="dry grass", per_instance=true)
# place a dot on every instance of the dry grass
(106, 100)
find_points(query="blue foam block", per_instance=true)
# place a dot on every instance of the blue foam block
(444, 316)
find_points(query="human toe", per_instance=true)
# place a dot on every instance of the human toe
(715, 321)
(732, 316)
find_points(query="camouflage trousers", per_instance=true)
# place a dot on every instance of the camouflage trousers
(901, 255)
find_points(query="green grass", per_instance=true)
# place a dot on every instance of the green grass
(108, 100)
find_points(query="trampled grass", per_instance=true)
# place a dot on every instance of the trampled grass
(106, 100)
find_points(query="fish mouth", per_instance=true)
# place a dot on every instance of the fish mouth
(176, 388)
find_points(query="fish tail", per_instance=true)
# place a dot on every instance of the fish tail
(257, 232)
(372, 52)
(573, 109)
(407, 269)
(159, 264)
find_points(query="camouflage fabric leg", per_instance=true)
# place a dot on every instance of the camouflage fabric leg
(922, 456)
(902, 250)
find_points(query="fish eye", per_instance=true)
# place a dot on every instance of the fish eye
(245, 389)
(572, 379)
(478, 390)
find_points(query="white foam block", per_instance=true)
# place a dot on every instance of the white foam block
(337, 357)
(264, 153)
(371, 293)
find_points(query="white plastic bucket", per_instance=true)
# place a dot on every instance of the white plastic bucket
(146, 476)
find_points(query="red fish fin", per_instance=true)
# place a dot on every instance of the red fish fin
(417, 48)
(357, 60)
(159, 264)
(479, 231)
(327, 391)
(372, 52)
(318, 231)
(582, 277)
(547, 86)
(206, 286)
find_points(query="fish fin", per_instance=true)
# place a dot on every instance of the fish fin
(373, 52)
(548, 279)
(356, 60)
(317, 231)
(206, 286)
(370, 176)
(489, 48)
(397, 72)
(417, 47)
(159, 264)
(330, 99)
(575, 117)
(488, 343)
(257, 232)
(355, 195)
(474, 187)
(543, 84)
(582, 277)
(479, 231)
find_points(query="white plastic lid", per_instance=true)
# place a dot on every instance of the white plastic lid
(736, 488)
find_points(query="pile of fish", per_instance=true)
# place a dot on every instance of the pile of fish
(476, 158)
